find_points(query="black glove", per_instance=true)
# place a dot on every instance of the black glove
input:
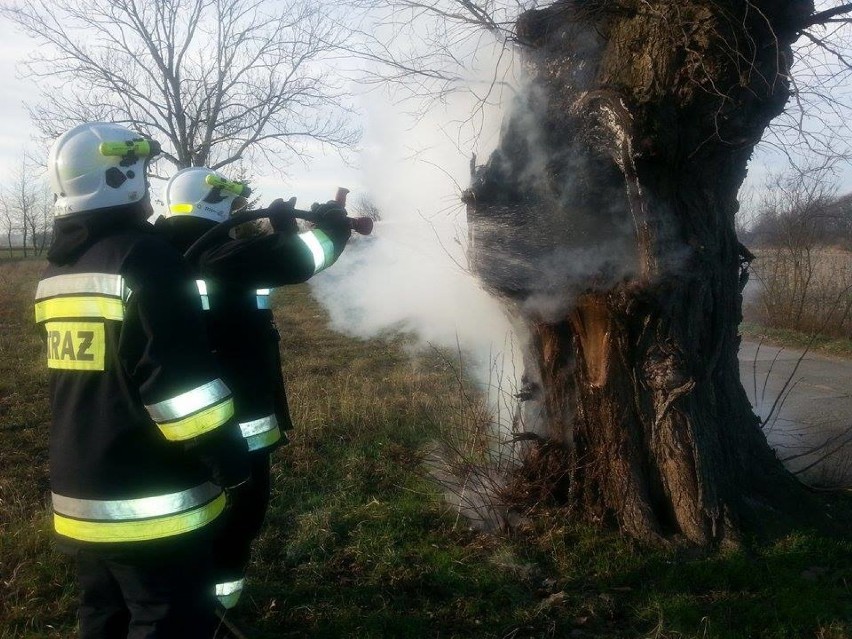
(281, 216)
(331, 219)
(225, 454)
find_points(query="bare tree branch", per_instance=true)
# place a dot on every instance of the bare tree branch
(211, 79)
(27, 209)
(826, 16)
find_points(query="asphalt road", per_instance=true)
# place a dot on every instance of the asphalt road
(806, 404)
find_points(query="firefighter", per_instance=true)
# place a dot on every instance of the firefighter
(143, 436)
(235, 278)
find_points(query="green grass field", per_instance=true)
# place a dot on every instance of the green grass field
(359, 542)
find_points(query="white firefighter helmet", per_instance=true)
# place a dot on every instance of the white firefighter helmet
(202, 192)
(98, 165)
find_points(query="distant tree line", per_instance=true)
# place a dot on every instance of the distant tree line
(826, 221)
(26, 212)
(802, 240)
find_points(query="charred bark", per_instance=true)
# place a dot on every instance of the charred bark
(605, 219)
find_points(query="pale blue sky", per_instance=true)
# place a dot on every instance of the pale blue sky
(317, 181)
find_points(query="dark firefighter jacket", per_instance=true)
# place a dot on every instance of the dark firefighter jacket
(143, 432)
(235, 278)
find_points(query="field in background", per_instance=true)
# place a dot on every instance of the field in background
(801, 296)
(17, 253)
(359, 542)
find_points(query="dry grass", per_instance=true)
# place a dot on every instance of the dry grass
(37, 597)
(809, 291)
(360, 543)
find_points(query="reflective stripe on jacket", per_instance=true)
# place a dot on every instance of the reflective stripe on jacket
(255, 409)
(134, 391)
(193, 412)
(321, 247)
(261, 433)
(141, 519)
(261, 296)
(228, 592)
(237, 275)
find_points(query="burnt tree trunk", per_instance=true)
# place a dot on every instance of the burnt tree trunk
(605, 220)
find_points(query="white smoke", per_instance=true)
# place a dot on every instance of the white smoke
(412, 274)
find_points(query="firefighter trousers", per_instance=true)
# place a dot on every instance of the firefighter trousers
(146, 595)
(243, 521)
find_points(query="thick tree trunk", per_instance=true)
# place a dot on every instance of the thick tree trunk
(606, 219)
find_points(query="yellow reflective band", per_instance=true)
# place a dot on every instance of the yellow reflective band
(260, 433)
(256, 426)
(179, 209)
(149, 529)
(77, 346)
(199, 423)
(110, 308)
(138, 508)
(192, 401)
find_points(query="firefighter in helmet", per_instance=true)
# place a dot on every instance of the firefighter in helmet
(143, 437)
(234, 281)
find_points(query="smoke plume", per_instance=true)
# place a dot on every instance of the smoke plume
(412, 274)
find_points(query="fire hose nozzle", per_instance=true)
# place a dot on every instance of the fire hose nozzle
(361, 225)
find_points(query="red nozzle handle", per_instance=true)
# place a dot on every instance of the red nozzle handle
(340, 198)
(361, 225)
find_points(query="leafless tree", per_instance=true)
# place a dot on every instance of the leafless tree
(805, 283)
(214, 80)
(27, 209)
(9, 224)
(40, 220)
(22, 200)
(605, 222)
(365, 206)
(801, 202)
(425, 50)
(815, 122)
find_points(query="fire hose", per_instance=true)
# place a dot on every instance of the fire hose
(361, 225)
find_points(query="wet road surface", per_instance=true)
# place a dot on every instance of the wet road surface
(805, 401)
